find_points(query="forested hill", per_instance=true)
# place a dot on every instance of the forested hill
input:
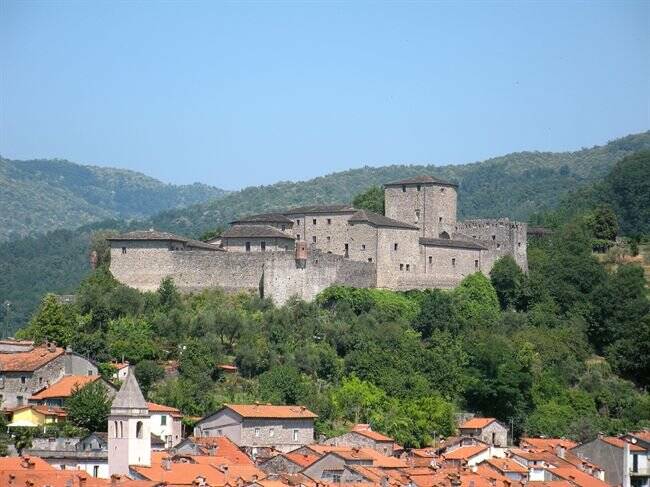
(43, 195)
(515, 185)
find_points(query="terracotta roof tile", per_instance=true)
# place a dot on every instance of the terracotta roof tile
(28, 361)
(223, 447)
(269, 411)
(65, 386)
(477, 423)
(160, 408)
(577, 477)
(620, 443)
(302, 459)
(465, 452)
(365, 430)
(548, 443)
(506, 465)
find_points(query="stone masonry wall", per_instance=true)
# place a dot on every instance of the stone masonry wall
(432, 207)
(276, 274)
(501, 237)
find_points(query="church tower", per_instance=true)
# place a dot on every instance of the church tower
(129, 429)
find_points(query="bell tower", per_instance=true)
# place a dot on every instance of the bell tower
(129, 429)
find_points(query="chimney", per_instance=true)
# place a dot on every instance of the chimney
(560, 451)
(166, 463)
(25, 462)
(12, 480)
(626, 464)
(384, 481)
(82, 481)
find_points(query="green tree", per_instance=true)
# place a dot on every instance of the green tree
(130, 339)
(283, 385)
(51, 322)
(198, 361)
(148, 372)
(507, 278)
(437, 312)
(168, 294)
(372, 199)
(475, 300)
(356, 400)
(88, 407)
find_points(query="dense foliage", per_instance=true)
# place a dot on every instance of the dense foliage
(514, 185)
(43, 195)
(561, 350)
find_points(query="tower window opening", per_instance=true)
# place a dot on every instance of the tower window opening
(313, 239)
(403, 188)
(124, 250)
(248, 246)
(419, 187)
(314, 221)
(453, 262)
(430, 260)
(394, 246)
(139, 427)
(476, 264)
(408, 267)
(263, 246)
(401, 267)
(329, 221)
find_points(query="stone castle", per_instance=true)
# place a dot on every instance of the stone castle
(418, 244)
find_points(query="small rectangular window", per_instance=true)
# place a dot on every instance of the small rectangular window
(23, 379)
(518, 244)
(298, 237)
(417, 216)
(401, 267)
(419, 187)
(298, 222)
(257, 432)
(124, 250)
(453, 262)
(95, 470)
(329, 221)
(403, 188)
(430, 260)
(439, 219)
(284, 227)
(408, 267)
(314, 221)
(248, 246)
(394, 246)
(313, 239)
(271, 432)
(263, 246)
(476, 264)
(163, 420)
(295, 435)
(347, 249)
(363, 246)
(369, 259)
(329, 238)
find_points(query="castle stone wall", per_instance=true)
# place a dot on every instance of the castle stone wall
(238, 244)
(363, 242)
(395, 268)
(432, 207)
(501, 237)
(330, 237)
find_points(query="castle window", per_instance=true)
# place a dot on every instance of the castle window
(419, 187)
(440, 219)
(346, 250)
(408, 267)
(363, 246)
(263, 246)
(271, 432)
(257, 432)
(139, 427)
(124, 250)
(369, 259)
(442, 190)
(298, 237)
(494, 237)
(313, 239)
(329, 239)
(476, 264)
(298, 222)
(314, 221)
(394, 246)
(518, 244)
(498, 246)
(401, 267)
(329, 221)
(23, 379)
(417, 216)
(403, 188)
(295, 435)
(248, 246)
(430, 260)
(453, 262)
(284, 227)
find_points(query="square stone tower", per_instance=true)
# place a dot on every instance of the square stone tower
(425, 202)
(129, 429)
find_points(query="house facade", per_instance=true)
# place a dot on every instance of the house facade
(488, 430)
(256, 426)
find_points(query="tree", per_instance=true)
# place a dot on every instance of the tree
(475, 300)
(51, 322)
(148, 372)
(602, 223)
(283, 385)
(130, 339)
(168, 294)
(356, 400)
(88, 407)
(372, 199)
(507, 278)
(198, 361)
(437, 313)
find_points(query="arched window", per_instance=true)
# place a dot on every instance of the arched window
(115, 429)
(121, 429)
(444, 235)
(138, 429)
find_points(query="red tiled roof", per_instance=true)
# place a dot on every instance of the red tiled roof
(620, 443)
(186, 473)
(65, 386)
(28, 361)
(506, 465)
(269, 411)
(45, 410)
(477, 423)
(548, 443)
(24, 463)
(644, 435)
(365, 430)
(302, 459)
(577, 477)
(224, 447)
(160, 408)
(465, 452)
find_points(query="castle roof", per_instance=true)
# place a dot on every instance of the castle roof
(164, 236)
(265, 217)
(254, 231)
(445, 242)
(129, 396)
(378, 220)
(422, 180)
(320, 209)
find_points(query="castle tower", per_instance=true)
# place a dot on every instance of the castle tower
(423, 201)
(129, 429)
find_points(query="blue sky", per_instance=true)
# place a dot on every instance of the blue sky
(238, 94)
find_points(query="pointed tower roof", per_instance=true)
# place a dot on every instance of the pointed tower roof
(129, 396)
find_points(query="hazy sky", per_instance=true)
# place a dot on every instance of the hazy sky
(235, 94)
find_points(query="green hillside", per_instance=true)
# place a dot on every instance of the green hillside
(43, 195)
(515, 185)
